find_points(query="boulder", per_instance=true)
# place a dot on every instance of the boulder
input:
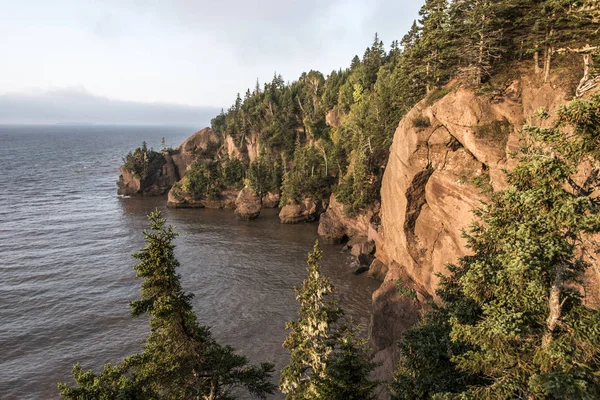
(331, 230)
(336, 225)
(378, 270)
(362, 246)
(247, 204)
(308, 210)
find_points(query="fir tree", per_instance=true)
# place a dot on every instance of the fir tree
(327, 361)
(435, 42)
(479, 29)
(535, 338)
(181, 359)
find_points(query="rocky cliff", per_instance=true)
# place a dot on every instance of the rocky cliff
(170, 168)
(443, 153)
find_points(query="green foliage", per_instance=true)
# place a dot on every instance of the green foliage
(437, 95)
(517, 324)
(180, 359)
(202, 180)
(405, 291)
(425, 368)
(421, 122)
(231, 172)
(359, 188)
(327, 360)
(309, 175)
(143, 162)
(483, 182)
(473, 40)
(264, 177)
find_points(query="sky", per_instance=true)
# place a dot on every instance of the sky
(172, 61)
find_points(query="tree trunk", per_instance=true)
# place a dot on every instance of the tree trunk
(547, 61)
(479, 72)
(536, 61)
(428, 86)
(555, 305)
(587, 66)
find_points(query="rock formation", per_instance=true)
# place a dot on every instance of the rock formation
(307, 210)
(171, 168)
(441, 155)
(247, 204)
(162, 175)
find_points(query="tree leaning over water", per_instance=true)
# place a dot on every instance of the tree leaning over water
(327, 361)
(181, 359)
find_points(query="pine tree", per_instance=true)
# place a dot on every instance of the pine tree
(479, 30)
(435, 42)
(425, 368)
(327, 361)
(535, 338)
(181, 359)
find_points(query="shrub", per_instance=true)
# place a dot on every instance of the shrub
(437, 95)
(143, 162)
(421, 122)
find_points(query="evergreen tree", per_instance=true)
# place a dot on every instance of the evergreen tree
(535, 338)
(327, 361)
(435, 42)
(425, 368)
(479, 32)
(181, 359)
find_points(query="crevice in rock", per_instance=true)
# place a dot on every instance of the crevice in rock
(415, 200)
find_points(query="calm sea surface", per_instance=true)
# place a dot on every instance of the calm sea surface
(66, 271)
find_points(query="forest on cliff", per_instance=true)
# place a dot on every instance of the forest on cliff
(320, 135)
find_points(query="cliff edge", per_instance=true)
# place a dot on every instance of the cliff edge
(444, 153)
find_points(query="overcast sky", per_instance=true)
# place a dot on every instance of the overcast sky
(164, 61)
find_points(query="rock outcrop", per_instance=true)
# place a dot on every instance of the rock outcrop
(335, 225)
(201, 146)
(165, 172)
(307, 210)
(179, 198)
(439, 153)
(247, 204)
(271, 200)
(161, 176)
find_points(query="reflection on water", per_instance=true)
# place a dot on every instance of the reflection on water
(66, 270)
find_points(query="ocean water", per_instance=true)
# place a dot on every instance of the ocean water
(66, 273)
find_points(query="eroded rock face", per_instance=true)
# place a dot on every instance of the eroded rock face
(429, 190)
(247, 204)
(308, 210)
(335, 226)
(332, 118)
(271, 200)
(200, 146)
(158, 182)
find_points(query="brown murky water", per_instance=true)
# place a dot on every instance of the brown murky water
(66, 276)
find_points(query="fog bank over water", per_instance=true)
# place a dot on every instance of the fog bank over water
(77, 106)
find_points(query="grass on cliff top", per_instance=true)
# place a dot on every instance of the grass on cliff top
(437, 95)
